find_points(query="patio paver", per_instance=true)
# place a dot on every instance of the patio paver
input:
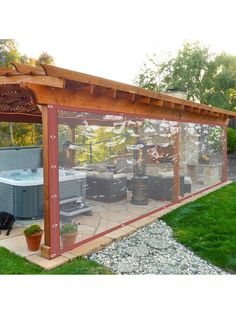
(16, 241)
(45, 263)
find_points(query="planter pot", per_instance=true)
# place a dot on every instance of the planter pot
(33, 241)
(68, 239)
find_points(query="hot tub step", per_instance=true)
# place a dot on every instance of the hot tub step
(74, 211)
(70, 200)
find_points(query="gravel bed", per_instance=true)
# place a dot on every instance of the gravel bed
(153, 250)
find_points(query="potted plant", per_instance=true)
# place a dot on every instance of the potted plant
(33, 235)
(68, 234)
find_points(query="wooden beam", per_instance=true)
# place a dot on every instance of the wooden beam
(47, 235)
(15, 95)
(17, 107)
(140, 99)
(20, 117)
(179, 107)
(28, 69)
(169, 105)
(114, 93)
(124, 95)
(197, 110)
(84, 101)
(71, 84)
(51, 182)
(42, 80)
(5, 89)
(64, 74)
(156, 102)
(7, 71)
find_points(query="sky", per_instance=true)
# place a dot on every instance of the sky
(113, 38)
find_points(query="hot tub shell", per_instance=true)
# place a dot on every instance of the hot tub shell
(25, 199)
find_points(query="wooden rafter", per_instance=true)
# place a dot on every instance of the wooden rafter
(80, 84)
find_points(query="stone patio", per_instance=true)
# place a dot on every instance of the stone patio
(105, 216)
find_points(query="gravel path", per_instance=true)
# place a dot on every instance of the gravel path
(152, 250)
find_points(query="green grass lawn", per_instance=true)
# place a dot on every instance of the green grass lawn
(11, 263)
(207, 226)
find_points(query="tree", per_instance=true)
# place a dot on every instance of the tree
(44, 58)
(20, 134)
(204, 77)
(223, 90)
(8, 52)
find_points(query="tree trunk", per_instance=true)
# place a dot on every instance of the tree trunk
(11, 133)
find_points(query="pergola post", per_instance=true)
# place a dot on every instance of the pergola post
(51, 247)
(176, 167)
(224, 177)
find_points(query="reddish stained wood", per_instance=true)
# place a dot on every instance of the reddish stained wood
(51, 181)
(20, 117)
(140, 99)
(64, 74)
(47, 235)
(82, 77)
(35, 79)
(5, 89)
(169, 105)
(197, 110)
(156, 102)
(84, 101)
(91, 89)
(70, 84)
(179, 107)
(114, 93)
(28, 69)
(124, 95)
(14, 95)
(8, 72)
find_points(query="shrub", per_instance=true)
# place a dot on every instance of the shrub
(32, 230)
(68, 228)
(231, 140)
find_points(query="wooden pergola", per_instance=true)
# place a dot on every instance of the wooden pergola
(35, 94)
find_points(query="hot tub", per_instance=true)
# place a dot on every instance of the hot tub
(21, 190)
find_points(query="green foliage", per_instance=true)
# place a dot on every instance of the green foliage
(207, 227)
(68, 228)
(201, 75)
(20, 134)
(8, 52)
(96, 144)
(231, 136)
(32, 230)
(223, 88)
(44, 58)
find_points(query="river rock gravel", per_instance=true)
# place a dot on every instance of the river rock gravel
(153, 250)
